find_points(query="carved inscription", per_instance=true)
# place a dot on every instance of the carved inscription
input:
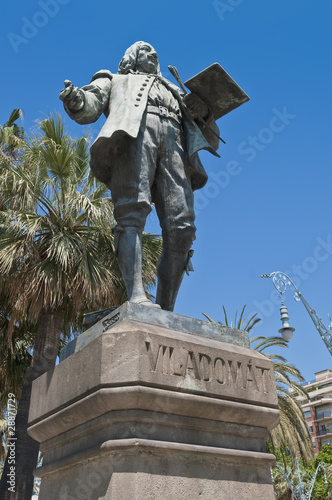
(200, 366)
(110, 321)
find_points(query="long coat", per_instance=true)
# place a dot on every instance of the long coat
(123, 100)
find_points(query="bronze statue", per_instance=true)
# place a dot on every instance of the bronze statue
(147, 152)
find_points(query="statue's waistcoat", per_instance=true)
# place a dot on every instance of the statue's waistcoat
(127, 104)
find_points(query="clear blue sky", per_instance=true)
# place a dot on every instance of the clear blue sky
(267, 205)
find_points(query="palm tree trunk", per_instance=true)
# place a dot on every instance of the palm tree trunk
(50, 327)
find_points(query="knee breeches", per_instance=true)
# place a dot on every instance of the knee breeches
(152, 168)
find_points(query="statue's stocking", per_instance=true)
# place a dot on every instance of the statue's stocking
(171, 268)
(129, 253)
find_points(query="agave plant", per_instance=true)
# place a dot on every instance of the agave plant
(239, 323)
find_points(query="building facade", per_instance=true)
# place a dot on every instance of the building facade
(318, 409)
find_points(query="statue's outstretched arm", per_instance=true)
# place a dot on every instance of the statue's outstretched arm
(85, 105)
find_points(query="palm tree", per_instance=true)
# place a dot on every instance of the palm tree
(292, 433)
(15, 358)
(3, 432)
(56, 257)
(11, 140)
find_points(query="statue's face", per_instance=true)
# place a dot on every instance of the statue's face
(147, 59)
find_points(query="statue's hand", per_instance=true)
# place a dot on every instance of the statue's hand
(196, 106)
(72, 96)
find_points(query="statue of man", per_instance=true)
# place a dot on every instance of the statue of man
(147, 152)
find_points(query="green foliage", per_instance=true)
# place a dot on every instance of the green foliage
(320, 491)
(318, 470)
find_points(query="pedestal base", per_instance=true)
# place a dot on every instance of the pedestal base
(143, 411)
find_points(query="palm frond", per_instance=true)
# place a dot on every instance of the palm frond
(15, 115)
(267, 343)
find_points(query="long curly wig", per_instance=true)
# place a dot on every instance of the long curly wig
(128, 62)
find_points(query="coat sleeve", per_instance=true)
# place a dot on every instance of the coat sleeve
(96, 99)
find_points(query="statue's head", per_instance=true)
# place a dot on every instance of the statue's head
(140, 57)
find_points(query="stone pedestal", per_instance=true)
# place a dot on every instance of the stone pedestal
(151, 405)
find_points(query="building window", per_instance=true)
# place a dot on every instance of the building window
(311, 429)
(307, 414)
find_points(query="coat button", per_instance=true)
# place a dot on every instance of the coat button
(138, 99)
(139, 95)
